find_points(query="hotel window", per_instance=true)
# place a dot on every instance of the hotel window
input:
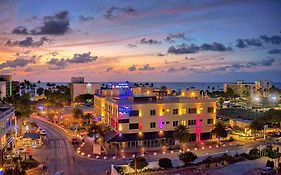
(167, 122)
(152, 112)
(123, 121)
(183, 122)
(133, 126)
(183, 111)
(175, 111)
(191, 122)
(134, 113)
(192, 110)
(210, 121)
(175, 123)
(152, 125)
(210, 109)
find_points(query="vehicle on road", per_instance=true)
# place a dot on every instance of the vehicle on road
(268, 171)
(43, 132)
(74, 141)
(58, 173)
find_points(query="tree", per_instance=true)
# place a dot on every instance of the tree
(257, 124)
(187, 157)
(77, 112)
(40, 91)
(85, 98)
(220, 130)
(181, 134)
(87, 119)
(220, 101)
(165, 163)
(140, 163)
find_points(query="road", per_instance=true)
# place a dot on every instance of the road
(59, 155)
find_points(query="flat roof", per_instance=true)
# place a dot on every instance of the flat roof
(165, 99)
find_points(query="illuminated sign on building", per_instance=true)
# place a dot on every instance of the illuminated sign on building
(124, 111)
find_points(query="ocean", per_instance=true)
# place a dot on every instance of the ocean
(173, 85)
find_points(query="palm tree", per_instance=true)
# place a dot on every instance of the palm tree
(181, 134)
(220, 130)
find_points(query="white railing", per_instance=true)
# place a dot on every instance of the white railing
(7, 112)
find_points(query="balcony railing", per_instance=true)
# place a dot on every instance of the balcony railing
(7, 112)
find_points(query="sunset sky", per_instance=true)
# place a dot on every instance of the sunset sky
(157, 40)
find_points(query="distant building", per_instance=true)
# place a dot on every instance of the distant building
(79, 87)
(262, 88)
(148, 120)
(6, 127)
(240, 89)
(241, 123)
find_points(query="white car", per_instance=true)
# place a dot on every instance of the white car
(43, 132)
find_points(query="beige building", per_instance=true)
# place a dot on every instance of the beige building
(240, 88)
(79, 87)
(149, 120)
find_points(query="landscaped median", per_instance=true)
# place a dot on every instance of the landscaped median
(190, 162)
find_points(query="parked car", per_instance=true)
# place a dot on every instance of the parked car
(268, 171)
(43, 132)
(74, 140)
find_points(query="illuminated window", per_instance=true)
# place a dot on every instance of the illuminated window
(183, 122)
(183, 111)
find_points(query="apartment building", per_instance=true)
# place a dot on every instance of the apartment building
(149, 120)
(79, 87)
(6, 127)
(8, 87)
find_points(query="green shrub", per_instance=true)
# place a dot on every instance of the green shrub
(140, 162)
(165, 163)
(187, 157)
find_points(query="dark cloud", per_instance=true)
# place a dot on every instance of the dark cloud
(109, 69)
(275, 39)
(250, 64)
(76, 59)
(221, 58)
(173, 69)
(132, 68)
(57, 62)
(55, 53)
(243, 43)
(161, 54)
(20, 30)
(28, 42)
(146, 67)
(18, 62)
(149, 41)
(82, 58)
(259, 41)
(192, 48)
(114, 12)
(267, 62)
(57, 24)
(28, 70)
(132, 45)
(274, 51)
(189, 58)
(172, 37)
(85, 18)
